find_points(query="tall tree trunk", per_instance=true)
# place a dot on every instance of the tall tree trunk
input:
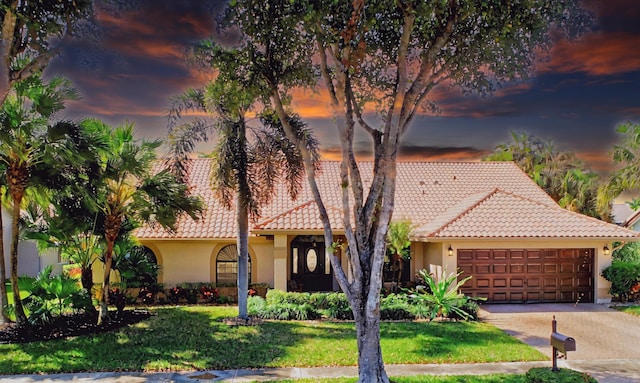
(370, 364)
(104, 298)
(111, 229)
(4, 300)
(243, 257)
(21, 318)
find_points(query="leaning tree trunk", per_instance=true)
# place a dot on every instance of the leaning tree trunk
(243, 258)
(4, 300)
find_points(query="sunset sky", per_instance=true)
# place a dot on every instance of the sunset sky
(576, 99)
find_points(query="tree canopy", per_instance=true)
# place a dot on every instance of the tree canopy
(379, 62)
(559, 173)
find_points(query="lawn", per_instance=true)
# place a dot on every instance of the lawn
(633, 310)
(195, 338)
(503, 378)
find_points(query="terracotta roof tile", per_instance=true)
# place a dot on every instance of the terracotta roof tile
(461, 199)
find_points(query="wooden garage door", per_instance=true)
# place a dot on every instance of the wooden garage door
(528, 275)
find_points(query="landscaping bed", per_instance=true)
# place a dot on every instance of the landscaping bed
(70, 326)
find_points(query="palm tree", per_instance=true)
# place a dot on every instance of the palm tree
(626, 157)
(34, 154)
(4, 300)
(397, 243)
(247, 162)
(128, 193)
(561, 174)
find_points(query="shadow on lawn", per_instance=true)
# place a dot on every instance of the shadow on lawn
(187, 338)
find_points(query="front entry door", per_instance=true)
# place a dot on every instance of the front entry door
(310, 269)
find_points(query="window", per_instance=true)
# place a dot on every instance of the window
(227, 265)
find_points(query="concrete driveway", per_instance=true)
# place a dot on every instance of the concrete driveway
(607, 341)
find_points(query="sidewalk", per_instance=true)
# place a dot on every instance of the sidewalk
(606, 371)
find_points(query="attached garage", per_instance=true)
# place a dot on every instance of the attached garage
(528, 275)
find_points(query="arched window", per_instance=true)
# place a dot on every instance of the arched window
(227, 265)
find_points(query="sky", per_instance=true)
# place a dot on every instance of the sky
(575, 100)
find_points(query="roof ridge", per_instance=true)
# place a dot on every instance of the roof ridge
(282, 214)
(486, 196)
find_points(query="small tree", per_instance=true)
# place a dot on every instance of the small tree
(398, 244)
(127, 192)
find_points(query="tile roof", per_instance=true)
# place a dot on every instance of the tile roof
(462, 199)
(500, 214)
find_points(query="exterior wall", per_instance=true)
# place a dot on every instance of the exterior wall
(195, 260)
(436, 254)
(29, 261)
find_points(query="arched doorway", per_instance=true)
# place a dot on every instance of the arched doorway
(227, 265)
(310, 266)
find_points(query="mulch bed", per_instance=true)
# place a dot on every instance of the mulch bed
(69, 326)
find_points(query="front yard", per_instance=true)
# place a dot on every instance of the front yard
(196, 338)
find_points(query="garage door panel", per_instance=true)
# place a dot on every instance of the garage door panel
(500, 269)
(528, 275)
(534, 255)
(534, 268)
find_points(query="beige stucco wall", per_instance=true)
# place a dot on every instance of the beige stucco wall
(195, 260)
(433, 254)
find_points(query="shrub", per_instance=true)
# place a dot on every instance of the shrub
(337, 307)
(441, 296)
(624, 277)
(396, 307)
(289, 311)
(629, 252)
(51, 296)
(256, 305)
(279, 296)
(563, 375)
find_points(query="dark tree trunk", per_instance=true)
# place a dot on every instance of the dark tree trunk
(86, 278)
(21, 318)
(4, 300)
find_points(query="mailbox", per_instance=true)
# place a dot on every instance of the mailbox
(562, 343)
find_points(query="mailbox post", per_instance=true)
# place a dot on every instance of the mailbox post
(560, 343)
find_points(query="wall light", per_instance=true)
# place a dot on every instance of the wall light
(450, 251)
(605, 250)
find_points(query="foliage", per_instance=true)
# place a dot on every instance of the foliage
(134, 265)
(337, 307)
(130, 189)
(626, 158)
(380, 62)
(398, 241)
(396, 307)
(561, 174)
(563, 375)
(51, 296)
(248, 162)
(628, 252)
(442, 297)
(624, 278)
(201, 340)
(37, 156)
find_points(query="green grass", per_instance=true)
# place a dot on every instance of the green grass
(496, 378)
(633, 310)
(188, 338)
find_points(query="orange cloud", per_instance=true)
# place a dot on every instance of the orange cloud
(596, 55)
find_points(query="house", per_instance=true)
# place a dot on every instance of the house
(624, 216)
(488, 219)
